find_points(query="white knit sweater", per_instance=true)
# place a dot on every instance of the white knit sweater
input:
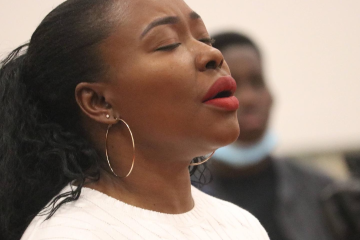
(97, 216)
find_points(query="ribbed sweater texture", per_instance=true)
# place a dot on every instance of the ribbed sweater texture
(96, 216)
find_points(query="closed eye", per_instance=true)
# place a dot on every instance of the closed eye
(168, 47)
(208, 41)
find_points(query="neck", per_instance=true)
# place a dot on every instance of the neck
(162, 186)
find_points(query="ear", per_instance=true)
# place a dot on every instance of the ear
(92, 102)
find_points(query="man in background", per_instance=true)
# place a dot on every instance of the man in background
(285, 197)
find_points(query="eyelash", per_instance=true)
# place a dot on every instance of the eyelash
(209, 41)
(168, 47)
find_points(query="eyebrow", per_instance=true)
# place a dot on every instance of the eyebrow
(166, 20)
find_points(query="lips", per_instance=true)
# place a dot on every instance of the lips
(221, 94)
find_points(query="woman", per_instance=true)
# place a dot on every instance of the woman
(108, 105)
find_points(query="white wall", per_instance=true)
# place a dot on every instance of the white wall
(312, 57)
(18, 20)
(311, 53)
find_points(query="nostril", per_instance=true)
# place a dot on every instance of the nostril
(211, 65)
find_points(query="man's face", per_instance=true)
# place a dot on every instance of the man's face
(254, 97)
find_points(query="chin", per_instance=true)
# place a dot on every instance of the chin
(228, 134)
(234, 134)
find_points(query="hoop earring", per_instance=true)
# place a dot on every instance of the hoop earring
(199, 163)
(106, 149)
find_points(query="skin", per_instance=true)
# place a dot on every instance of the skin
(255, 104)
(254, 96)
(156, 80)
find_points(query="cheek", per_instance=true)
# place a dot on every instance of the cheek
(238, 95)
(225, 66)
(266, 102)
(146, 77)
(169, 81)
(158, 98)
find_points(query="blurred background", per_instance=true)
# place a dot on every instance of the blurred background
(311, 53)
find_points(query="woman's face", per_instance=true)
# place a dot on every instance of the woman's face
(161, 66)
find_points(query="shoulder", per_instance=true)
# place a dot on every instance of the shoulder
(59, 227)
(291, 169)
(228, 213)
(301, 184)
(77, 220)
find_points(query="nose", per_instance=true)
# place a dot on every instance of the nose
(209, 58)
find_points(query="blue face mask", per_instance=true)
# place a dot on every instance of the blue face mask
(236, 155)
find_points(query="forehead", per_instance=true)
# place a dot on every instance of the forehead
(139, 13)
(151, 6)
(240, 52)
(242, 59)
(132, 18)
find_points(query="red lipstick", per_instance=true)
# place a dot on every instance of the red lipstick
(221, 94)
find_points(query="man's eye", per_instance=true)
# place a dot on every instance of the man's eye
(168, 47)
(208, 41)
